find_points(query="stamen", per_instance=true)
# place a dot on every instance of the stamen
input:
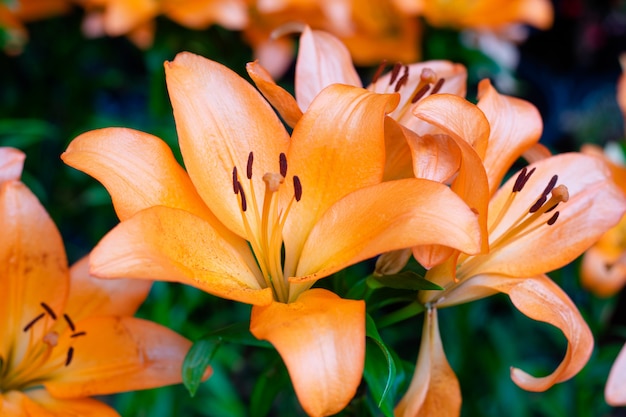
(401, 81)
(538, 204)
(235, 181)
(394, 72)
(522, 179)
(282, 163)
(79, 334)
(244, 203)
(428, 75)
(33, 321)
(297, 188)
(552, 219)
(437, 86)
(379, 71)
(249, 165)
(70, 355)
(69, 322)
(49, 311)
(420, 93)
(550, 185)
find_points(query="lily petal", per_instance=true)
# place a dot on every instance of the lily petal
(162, 243)
(40, 403)
(398, 160)
(90, 296)
(516, 126)
(220, 119)
(33, 268)
(123, 16)
(337, 147)
(365, 224)
(118, 354)
(284, 103)
(540, 299)
(321, 338)
(11, 163)
(615, 390)
(434, 389)
(322, 60)
(594, 206)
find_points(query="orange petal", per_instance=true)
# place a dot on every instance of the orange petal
(601, 272)
(615, 390)
(322, 60)
(516, 126)
(220, 119)
(165, 244)
(11, 164)
(122, 17)
(41, 404)
(90, 296)
(434, 389)
(398, 160)
(138, 169)
(388, 216)
(594, 206)
(540, 299)
(347, 123)
(117, 354)
(284, 103)
(321, 338)
(200, 14)
(33, 268)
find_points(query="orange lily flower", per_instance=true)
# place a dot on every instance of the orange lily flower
(136, 18)
(539, 220)
(259, 216)
(13, 17)
(67, 336)
(480, 14)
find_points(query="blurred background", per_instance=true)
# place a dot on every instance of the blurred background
(63, 72)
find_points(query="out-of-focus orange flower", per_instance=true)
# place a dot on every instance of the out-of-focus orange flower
(259, 216)
(67, 336)
(135, 18)
(14, 15)
(372, 30)
(539, 220)
(489, 14)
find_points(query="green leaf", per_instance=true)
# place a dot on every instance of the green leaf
(405, 280)
(401, 314)
(380, 369)
(196, 361)
(272, 382)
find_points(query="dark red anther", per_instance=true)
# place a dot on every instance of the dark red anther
(379, 71)
(550, 185)
(401, 82)
(78, 334)
(33, 321)
(70, 355)
(297, 188)
(522, 179)
(69, 322)
(420, 93)
(552, 219)
(538, 204)
(437, 86)
(235, 181)
(49, 311)
(282, 163)
(249, 165)
(244, 203)
(394, 72)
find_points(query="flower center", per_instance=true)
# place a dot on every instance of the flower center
(40, 357)
(266, 239)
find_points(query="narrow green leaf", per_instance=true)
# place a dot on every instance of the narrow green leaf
(272, 382)
(405, 280)
(196, 361)
(380, 368)
(401, 314)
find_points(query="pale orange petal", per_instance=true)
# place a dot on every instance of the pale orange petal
(11, 164)
(90, 296)
(117, 354)
(398, 160)
(220, 119)
(122, 17)
(621, 86)
(337, 147)
(516, 126)
(601, 275)
(384, 217)
(322, 60)
(435, 157)
(12, 404)
(165, 244)
(41, 404)
(284, 103)
(594, 206)
(540, 299)
(434, 390)
(33, 268)
(321, 338)
(199, 14)
(615, 390)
